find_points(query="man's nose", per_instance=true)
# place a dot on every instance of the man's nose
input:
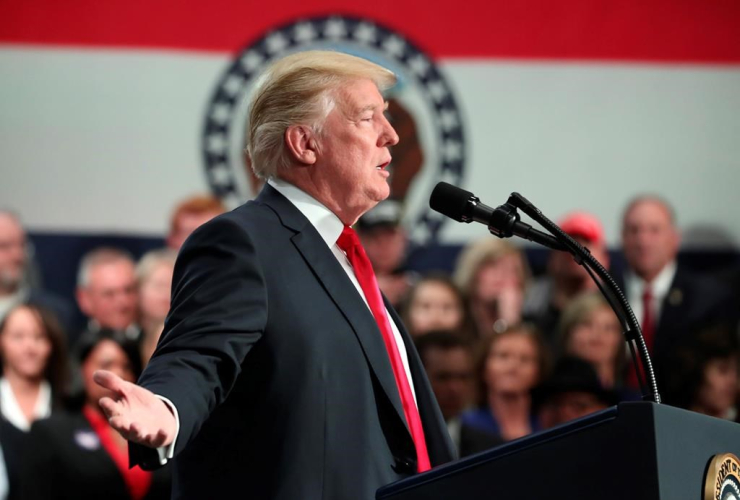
(389, 137)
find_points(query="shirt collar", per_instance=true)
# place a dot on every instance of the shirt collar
(324, 220)
(659, 286)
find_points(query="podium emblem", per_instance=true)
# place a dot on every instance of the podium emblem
(723, 478)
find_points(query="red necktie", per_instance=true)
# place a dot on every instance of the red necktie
(648, 332)
(350, 243)
(648, 318)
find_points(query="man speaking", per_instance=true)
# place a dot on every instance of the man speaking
(282, 372)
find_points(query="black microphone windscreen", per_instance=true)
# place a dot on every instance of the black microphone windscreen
(450, 200)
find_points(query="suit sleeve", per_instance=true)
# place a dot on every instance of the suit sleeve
(218, 312)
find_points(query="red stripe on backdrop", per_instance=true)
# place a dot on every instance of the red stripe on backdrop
(693, 31)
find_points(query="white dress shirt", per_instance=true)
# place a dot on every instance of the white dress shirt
(660, 287)
(329, 227)
(12, 412)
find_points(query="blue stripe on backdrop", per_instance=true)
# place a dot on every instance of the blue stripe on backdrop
(57, 256)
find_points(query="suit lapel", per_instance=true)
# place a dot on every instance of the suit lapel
(339, 287)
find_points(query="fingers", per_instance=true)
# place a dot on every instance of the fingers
(110, 407)
(109, 380)
(159, 439)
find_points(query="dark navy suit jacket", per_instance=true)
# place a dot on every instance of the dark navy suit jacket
(278, 370)
(693, 304)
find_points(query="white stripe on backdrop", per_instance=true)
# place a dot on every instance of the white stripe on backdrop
(108, 140)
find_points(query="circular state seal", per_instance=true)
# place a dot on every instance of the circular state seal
(421, 107)
(722, 481)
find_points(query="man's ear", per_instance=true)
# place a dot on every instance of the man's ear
(301, 143)
(83, 300)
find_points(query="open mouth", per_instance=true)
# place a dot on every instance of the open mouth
(383, 165)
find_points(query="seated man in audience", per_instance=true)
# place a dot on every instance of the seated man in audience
(386, 245)
(448, 361)
(14, 285)
(668, 300)
(548, 296)
(191, 214)
(106, 291)
(572, 391)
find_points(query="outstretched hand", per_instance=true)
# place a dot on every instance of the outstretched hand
(136, 413)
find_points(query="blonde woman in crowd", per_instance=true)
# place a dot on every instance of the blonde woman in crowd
(590, 330)
(154, 280)
(493, 275)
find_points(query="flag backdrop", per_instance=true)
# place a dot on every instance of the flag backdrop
(576, 105)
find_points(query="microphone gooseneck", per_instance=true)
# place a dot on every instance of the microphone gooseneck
(504, 222)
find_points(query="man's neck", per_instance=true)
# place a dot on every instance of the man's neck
(302, 179)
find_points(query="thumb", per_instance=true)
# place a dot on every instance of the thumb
(109, 380)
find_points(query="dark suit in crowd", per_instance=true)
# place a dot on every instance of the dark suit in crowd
(693, 303)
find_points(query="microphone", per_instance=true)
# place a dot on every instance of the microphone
(503, 221)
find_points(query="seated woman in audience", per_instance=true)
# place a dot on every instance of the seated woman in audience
(511, 364)
(493, 275)
(435, 303)
(34, 365)
(704, 375)
(77, 454)
(154, 280)
(590, 330)
(33, 357)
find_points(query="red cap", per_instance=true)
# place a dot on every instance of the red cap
(583, 225)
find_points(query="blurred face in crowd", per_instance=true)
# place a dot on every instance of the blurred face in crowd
(718, 391)
(106, 355)
(598, 338)
(154, 292)
(350, 166)
(494, 277)
(12, 253)
(24, 344)
(649, 238)
(434, 306)
(385, 247)
(567, 406)
(562, 266)
(186, 223)
(451, 374)
(110, 296)
(512, 365)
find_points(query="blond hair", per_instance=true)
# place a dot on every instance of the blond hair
(482, 252)
(151, 260)
(300, 90)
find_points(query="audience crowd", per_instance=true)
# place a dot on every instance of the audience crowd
(507, 353)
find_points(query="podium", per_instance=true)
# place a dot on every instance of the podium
(634, 451)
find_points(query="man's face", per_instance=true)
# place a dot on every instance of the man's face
(12, 253)
(451, 375)
(353, 154)
(649, 239)
(110, 297)
(568, 406)
(562, 265)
